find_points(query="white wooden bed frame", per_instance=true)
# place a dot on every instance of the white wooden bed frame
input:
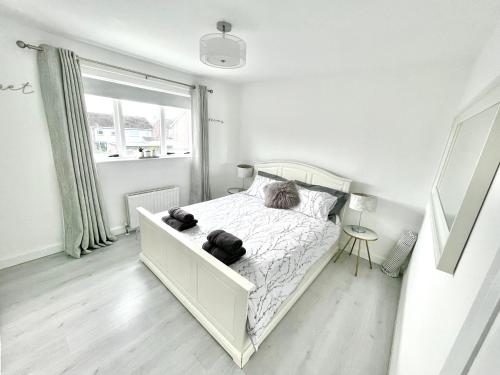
(216, 295)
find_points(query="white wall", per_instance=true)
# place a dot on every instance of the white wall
(433, 305)
(30, 212)
(486, 69)
(223, 138)
(382, 129)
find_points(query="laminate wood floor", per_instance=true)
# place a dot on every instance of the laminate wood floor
(108, 314)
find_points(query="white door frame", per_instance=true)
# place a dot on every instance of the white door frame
(477, 324)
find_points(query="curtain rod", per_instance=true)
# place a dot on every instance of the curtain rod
(22, 44)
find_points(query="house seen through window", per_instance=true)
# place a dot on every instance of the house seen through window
(120, 126)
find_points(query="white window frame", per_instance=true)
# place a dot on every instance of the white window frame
(118, 126)
(163, 132)
(98, 72)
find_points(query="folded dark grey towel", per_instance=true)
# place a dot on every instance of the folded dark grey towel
(177, 224)
(181, 215)
(223, 256)
(224, 240)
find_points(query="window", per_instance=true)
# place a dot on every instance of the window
(100, 120)
(124, 118)
(141, 126)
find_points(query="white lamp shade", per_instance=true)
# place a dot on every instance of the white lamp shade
(244, 170)
(223, 50)
(363, 202)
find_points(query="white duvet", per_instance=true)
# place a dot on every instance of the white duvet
(280, 246)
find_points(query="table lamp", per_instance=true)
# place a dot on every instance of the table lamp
(244, 171)
(362, 203)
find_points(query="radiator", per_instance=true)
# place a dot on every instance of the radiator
(154, 200)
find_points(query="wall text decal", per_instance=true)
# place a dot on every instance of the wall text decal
(25, 88)
(215, 120)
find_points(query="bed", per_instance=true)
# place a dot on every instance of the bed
(239, 305)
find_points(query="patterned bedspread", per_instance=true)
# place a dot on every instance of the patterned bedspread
(281, 245)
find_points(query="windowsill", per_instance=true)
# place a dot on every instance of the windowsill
(124, 159)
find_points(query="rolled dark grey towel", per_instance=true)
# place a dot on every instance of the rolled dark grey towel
(177, 224)
(223, 256)
(181, 215)
(207, 246)
(224, 240)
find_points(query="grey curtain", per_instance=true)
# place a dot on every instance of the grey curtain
(200, 184)
(85, 225)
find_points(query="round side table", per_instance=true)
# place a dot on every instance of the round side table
(366, 236)
(234, 190)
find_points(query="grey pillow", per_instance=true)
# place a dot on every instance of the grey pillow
(271, 176)
(281, 195)
(341, 197)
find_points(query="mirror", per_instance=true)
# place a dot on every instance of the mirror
(470, 138)
(469, 165)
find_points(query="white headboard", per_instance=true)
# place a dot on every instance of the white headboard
(303, 172)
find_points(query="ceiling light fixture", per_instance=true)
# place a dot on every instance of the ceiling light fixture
(223, 50)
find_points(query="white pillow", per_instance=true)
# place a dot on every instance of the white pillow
(257, 187)
(316, 204)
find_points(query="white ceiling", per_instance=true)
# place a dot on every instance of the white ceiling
(284, 37)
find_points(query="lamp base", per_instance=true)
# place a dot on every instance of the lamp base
(358, 229)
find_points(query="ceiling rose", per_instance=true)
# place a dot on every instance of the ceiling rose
(222, 50)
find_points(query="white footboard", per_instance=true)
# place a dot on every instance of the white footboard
(216, 295)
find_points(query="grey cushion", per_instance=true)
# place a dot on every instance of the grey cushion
(281, 195)
(271, 176)
(341, 197)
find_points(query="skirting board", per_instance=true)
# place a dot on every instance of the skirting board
(31, 255)
(44, 251)
(375, 258)
(118, 230)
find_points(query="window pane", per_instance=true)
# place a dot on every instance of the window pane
(102, 127)
(177, 129)
(141, 126)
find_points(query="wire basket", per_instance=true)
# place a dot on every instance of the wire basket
(392, 265)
